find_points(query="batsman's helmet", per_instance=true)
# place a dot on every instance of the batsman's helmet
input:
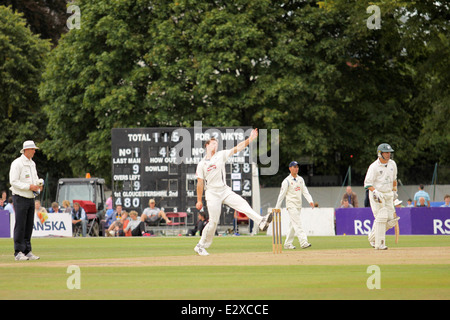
(384, 147)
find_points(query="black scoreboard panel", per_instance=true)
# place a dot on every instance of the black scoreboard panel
(160, 164)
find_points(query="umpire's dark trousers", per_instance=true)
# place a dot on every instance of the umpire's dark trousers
(24, 211)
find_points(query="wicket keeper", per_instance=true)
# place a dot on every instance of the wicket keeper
(292, 188)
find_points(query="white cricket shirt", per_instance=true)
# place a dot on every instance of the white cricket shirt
(381, 176)
(293, 189)
(21, 175)
(212, 171)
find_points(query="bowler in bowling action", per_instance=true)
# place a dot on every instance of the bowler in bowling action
(211, 178)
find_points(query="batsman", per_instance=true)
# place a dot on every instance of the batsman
(381, 180)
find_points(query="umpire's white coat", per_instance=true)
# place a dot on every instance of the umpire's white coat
(293, 189)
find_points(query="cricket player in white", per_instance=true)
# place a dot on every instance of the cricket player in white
(211, 178)
(381, 180)
(292, 188)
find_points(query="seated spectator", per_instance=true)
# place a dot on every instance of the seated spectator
(345, 204)
(421, 193)
(422, 202)
(66, 206)
(79, 218)
(398, 203)
(4, 199)
(447, 201)
(410, 204)
(135, 225)
(152, 214)
(351, 197)
(10, 207)
(37, 206)
(55, 208)
(42, 214)
(118, 225)
(110, 217)
(201, 223)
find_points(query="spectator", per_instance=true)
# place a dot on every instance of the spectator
(42, 214)
(110, 217)
(422, 202)
(79, 218)
(10, 207)
(447, 201)
(135, 225)
(55, 208)
(66, 206)
(351, 197)
(117, 226)
(37, 206)
(1, 204)
(152, 215)
(5, 198)
(345, 204)
(410, 204)
(422, 193)
(201, 223)
(398, 203)
(235, 223)
(366, 199)
(109, 203)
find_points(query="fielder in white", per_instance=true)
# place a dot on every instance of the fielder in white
(292, 188)
(381, 180)
(211, 178)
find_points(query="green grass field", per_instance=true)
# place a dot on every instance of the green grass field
(238, 268)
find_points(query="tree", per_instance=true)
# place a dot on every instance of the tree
(312, 69)
(22, 57)
(46, 18)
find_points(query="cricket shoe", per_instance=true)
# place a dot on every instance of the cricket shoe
(265, 222)
(306, 245)
(289, 246)
(382, 247)
(21, 257)
(31, 256)
(200, 250)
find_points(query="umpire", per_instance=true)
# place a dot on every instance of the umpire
(24, 183)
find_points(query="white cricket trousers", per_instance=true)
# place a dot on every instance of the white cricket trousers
(383, 214)
(295, 228)
(214, 201)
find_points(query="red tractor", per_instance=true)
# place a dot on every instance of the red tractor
(89, 193)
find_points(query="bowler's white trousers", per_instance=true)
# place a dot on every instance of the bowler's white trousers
(214, 200)
(295, 228)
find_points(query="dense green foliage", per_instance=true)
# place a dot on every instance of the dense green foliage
(312, 69)
(22, 57)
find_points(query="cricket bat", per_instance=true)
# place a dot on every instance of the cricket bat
(397, 229)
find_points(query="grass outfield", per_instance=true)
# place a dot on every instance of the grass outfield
(239, 268)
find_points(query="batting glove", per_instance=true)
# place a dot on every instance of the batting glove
(377, 196)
